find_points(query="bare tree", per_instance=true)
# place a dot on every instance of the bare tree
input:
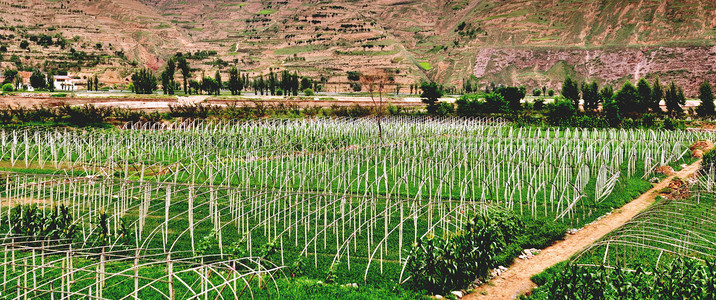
(376, 82)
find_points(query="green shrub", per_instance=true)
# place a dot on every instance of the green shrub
(561, 112)
(547, 275)
(308, 92)
(708, 162)
(84, 115)
(684, 278)
(672, 124)
(540, 233)
(440, 264)
(7, 87)
(469, 105)
(440, 109)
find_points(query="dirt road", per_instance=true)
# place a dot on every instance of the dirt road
(516, 280)
(162, 103)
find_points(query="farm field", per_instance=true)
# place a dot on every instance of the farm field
(666, 250)
(238, 209)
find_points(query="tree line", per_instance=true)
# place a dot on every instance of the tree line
(282, 83)
(579, 104)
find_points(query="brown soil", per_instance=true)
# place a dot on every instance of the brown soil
(700, 147)
(666, 170)
(697, 153)
(162, 104)
(516, 280)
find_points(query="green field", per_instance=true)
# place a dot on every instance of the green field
(194, 209)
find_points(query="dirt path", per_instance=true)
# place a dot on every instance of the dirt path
(516, 280)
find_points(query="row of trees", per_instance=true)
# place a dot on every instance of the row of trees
(38, 79)
(273, 84)
(635, 100)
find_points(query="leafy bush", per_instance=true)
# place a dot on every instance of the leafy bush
(308, 92)
(560, 112)
(672, 124)
(708, 162)
(440, 109)
(540, 233)
(440, 264)
(496, 103)
(193, 111)
(468, 105)
(84, 115)
(144, 82)
(681, 279)
(103, 236)
(28, 220)
(352, 111)
(547, 275)
(7, 87)
(473, 104)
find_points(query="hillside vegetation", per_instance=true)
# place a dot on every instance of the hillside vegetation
(328, 38)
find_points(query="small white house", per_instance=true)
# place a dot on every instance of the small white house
(64, 83)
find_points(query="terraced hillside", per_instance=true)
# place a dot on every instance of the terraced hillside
(512, 42)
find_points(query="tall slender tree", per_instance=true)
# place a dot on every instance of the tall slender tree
(217, 78)
(272, 82)
(144, 82)
(644, 90)
(37, 79)
(590, 94)
(166, 82)
(706, 95)
(606, 93)
(183, 66)
(374, 82)
(627, 98)
(674, 98)
(50, 81)
(570, 90)
(657, 93)
(170, 69)
(236, 82)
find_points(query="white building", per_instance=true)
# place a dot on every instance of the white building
(64, 83)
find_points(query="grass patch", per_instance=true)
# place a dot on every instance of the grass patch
(425, 65)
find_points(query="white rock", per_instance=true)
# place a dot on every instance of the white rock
(439, 297)
(458, 294)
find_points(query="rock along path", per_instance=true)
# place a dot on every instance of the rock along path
(516, 280)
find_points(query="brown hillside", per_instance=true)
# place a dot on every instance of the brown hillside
(531, 42)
